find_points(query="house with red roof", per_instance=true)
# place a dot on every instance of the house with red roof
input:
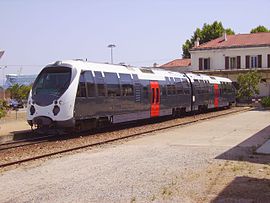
(228, 56)
(230, 52)
(231, 55)
(180, 65)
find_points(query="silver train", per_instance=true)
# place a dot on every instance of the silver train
(80, 95)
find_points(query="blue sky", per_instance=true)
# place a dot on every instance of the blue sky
(35, 32)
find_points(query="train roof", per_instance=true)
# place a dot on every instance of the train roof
(143, 73)
(211, 79)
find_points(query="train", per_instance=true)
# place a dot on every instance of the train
(81, 95)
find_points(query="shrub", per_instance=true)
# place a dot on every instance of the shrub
(265, 101)
(2, 108)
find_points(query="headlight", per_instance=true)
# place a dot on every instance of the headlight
(32, 110)
(56, 110)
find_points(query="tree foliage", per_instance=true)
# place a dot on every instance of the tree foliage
(260, 28)
(248, 85)
(19, 92)
(207, 33)
(2, 108)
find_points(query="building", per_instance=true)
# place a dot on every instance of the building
(181, 65)
(241, 51)
(230, 55)
(12, 79)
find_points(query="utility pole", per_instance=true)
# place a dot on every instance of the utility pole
(111, 46)
(3, 75)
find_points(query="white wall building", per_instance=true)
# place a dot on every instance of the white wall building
(242, 51)
(231, 55)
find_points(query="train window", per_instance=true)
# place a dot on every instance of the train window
(169, 89)
(100, 83)
(127, 85)
(186, 87)
(157, 95)
(113, 85)
(81, 92)
(145, 92)
(163, 91)
(173, 89)
(90, 84)
(153, 95)
(179, 86)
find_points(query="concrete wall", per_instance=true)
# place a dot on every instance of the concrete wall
(217, 57)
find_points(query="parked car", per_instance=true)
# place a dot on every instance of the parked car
(13, 103)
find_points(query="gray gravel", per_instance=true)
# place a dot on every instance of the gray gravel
(153, 168)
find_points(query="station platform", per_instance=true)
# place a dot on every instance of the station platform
(14, 124)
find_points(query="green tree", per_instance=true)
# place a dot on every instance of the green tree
(19, 92)
(2, 108)
(207, 33)
(260, 28)
(248, 85)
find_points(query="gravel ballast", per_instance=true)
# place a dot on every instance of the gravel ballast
(175, 165)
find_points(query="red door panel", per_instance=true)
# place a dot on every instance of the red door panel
(216, 95)
(155, 99)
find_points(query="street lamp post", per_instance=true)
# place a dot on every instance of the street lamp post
(111, 46)
(3, 75)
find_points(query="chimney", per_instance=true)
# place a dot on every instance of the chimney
(197, 42)
(224, 36)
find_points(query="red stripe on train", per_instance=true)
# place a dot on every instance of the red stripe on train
(216, 95)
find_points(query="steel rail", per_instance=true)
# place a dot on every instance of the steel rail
(117, 139)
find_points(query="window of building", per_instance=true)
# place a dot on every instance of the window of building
(113, 86)
(100, 83)
(204, 63)
(90, 84)
(127, 85)
(232, 63)
(253, 61)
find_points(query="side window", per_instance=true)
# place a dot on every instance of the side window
(163, 89)
(113, 85)
(196, 84)
(173, 86)
(127, 85)
(100, 83)
(81, 92)
(145, 92)
(186, 86)
(179, 86)
(157, 95)
(90, 84)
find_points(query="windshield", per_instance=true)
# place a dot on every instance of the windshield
(53, 81)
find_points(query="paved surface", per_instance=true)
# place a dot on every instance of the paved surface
(13, 123)
(139, 170)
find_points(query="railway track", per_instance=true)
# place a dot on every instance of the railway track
(25, 142)
(102, 141)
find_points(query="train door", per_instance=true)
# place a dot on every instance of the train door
(155, 99)
(216, 95)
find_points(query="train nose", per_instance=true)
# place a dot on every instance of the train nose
(42, 121)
